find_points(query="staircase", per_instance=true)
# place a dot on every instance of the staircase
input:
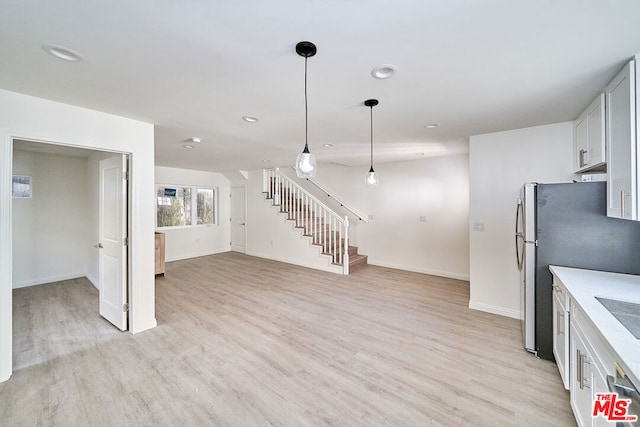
(318, 222)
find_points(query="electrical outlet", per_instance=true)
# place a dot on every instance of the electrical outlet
(478, 226)
(423, 218)
(370, 217)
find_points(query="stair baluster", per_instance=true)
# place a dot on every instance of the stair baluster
(325, 227)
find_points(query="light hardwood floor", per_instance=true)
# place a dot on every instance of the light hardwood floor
(244, 341)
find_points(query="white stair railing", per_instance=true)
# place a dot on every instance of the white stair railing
(325, 227)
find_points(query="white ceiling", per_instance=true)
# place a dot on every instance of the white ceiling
(194, 68)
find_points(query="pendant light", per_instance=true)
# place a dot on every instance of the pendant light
(306, 162)
(371, 180)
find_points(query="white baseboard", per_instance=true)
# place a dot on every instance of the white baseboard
(135, 328)
(414, 269)
(508, 312)
(50, 279)
(195, 255)
(93, 280)
(328, 268)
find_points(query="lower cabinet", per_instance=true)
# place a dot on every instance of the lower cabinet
(583, 357)
(561, 343)
(586, 379)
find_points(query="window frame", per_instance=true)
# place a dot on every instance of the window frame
(194, 210)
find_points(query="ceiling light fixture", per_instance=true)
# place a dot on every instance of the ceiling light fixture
(384, 71)
(250, 119)
(195, 140)
(190, 147)
(62, 53)
(371, 180)
(306, 162)
(327, 145)
(432, 125)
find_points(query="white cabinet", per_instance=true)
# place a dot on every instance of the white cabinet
(589, 137)
(591, 360)
(561, 330)
(621, 138)
(583, 356)
(587, 379)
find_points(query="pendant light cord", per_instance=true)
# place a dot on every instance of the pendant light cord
(371, 137)
(306, 108)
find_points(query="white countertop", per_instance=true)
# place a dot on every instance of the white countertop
(584, 286)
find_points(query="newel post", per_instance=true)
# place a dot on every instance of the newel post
(346, 246)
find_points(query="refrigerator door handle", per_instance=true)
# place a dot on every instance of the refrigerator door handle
(519, 234)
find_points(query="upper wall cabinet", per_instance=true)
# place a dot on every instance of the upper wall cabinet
(589, 137)
(621, 140)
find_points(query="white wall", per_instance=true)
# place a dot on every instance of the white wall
(50, 230)
(436, 188)
(182, 243)
(29, 118)
(499, 164)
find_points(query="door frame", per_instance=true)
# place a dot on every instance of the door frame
(6, 244)
(244, 187)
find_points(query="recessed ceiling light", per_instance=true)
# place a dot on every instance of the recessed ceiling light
(266, 161)
(327, 145)
(62, 53)
(195, 140)
(432, 125)
(188, 146)
(384, 71)
(250, 119)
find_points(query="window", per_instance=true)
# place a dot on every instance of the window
(178, 206)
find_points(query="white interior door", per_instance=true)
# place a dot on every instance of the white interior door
(112, 259)
(238, 219)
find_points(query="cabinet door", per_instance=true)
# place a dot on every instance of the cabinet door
(595, 133)
(600, 386)
(621, 145)
(581, 144)
(561, 333)
(581, 380)
(589, 137)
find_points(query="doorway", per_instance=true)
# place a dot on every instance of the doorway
(56, 231)
(238, 219)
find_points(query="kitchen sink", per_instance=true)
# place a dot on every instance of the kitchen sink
(627, 313)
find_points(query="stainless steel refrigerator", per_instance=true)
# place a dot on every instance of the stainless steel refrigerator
(566, 225)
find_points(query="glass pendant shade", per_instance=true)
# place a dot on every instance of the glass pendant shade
(306, 164)
(371, 180)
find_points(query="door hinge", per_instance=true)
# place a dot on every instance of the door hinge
(125, 241)
(125, 307)
(125, 175)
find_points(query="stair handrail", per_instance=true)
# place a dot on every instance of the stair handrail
(342, 204)
(298, 186)
(314, 226)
